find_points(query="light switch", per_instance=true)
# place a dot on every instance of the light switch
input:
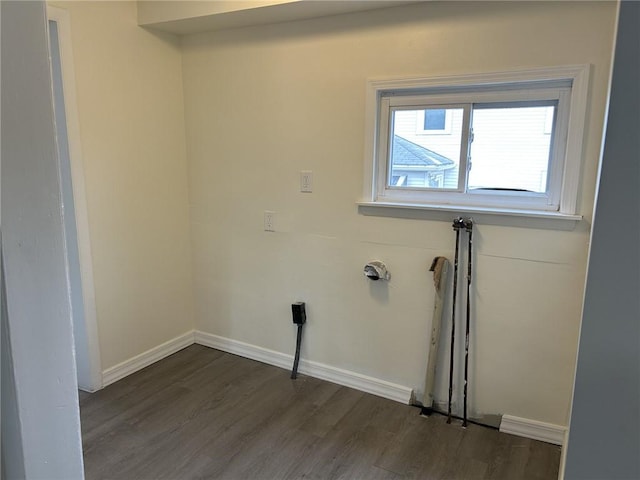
(306, 181)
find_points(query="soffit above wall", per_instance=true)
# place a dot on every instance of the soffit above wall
(186, 16)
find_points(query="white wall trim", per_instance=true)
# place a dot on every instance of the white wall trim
(61, 17)
(115, 373)
(364, 383)
(524, 427)
(375, 386)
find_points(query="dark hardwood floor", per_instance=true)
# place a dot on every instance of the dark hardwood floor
(202, 413)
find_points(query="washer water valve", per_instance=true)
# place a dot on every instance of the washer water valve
(376, 271)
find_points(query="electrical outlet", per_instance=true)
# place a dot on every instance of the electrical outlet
(269, 221)
(306, 181)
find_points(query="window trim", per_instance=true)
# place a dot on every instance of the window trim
(577, 75)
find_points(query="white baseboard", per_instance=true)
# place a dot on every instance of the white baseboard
(378, 387)
(523, 427)
(115, 373)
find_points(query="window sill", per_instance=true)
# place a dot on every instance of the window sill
(496, 216)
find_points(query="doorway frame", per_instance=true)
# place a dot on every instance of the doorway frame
(62, 18)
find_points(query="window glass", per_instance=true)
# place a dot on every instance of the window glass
(434, 119)
(427, 161)
(510, 148)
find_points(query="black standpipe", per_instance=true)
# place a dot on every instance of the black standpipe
(458, 224)
(468, 225)
(299, 318)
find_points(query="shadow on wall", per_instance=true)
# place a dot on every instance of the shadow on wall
(10, 444)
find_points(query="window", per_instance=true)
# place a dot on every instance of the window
(507, 141)
(434, 119)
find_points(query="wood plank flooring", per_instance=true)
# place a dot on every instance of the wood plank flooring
(204, 414)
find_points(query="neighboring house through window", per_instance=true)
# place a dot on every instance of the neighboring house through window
(417, 166)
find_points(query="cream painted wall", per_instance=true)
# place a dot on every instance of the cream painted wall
(131, 115)
(263, 103)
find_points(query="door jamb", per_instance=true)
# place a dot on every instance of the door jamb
(62, 18)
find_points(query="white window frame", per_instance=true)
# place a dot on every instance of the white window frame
(564, 172)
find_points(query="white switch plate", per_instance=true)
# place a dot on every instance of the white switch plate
(269, 221)
(306, 181)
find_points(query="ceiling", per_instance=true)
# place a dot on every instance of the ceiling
(186, 17)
